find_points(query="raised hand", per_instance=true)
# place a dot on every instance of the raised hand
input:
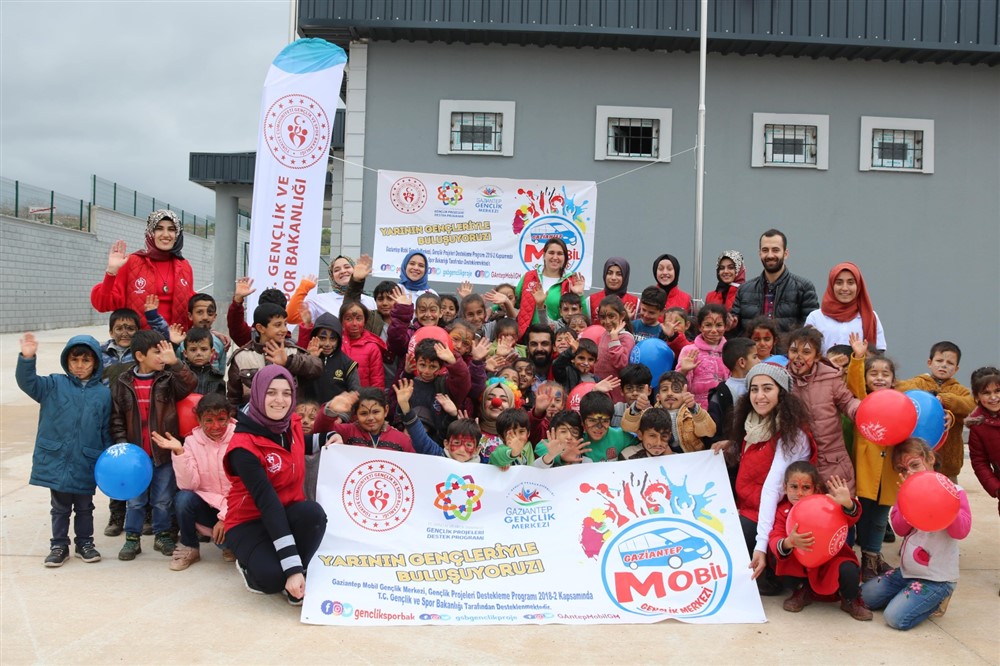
(244, 287)
(687, 399)
(401, 297)
(859, 345)
(839, 492)
(464, 289)
(481, 349)
(574, 450)
(343, 403)
(642, 402)
(275, 353)
(617, 330)
(505, 345)
(117, 256)
(362, 268)
(313, 347)
(404, 391)
(630, 308)
(167, 442)
(305, 314)
(152, 303)
(544, 398)
(516, 440)
(608, 384)
(29, 345)
(577, 284)
(539, 294)
(689, 361)
(447, 404)
(177, 334)
(443, 353)
(167, 352)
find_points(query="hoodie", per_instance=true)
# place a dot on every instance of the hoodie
(340, 371)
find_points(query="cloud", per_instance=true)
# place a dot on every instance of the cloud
(126, 90)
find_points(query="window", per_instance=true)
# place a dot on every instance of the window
(632, 133)
(475, 127)
(896, 144)
(790, 140)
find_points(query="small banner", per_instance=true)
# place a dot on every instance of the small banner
(293, 149)
(484, 230)
(415, 539)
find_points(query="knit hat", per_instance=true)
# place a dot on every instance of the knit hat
(774, 371)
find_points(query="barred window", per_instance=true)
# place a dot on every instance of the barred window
(790, 140)
(897, 149)
(634, 137)
(477, 132)
(790, 144)
(638, 133)
(476, 127)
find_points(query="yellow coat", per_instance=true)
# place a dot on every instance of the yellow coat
(959, 401)
(873, 470)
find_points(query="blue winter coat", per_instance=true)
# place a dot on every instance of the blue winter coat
(73, 423)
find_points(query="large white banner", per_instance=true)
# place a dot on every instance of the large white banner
(485, 230)
(415, 539)
(293, 148)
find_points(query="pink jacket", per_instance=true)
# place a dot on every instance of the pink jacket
(709, 372)
(612, 356)
(200, 468)
(367, 352)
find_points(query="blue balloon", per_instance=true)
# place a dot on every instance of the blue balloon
(930, 417)
(655, 354)
(777, 359)
(123, 471)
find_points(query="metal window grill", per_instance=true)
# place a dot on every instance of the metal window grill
(897, 149)
(790, 144)
(634, 137)
(477, 132)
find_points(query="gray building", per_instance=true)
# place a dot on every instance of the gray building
(867, 131)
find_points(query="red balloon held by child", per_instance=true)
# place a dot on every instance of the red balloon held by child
(592, 333)
(928, 501)
(826, 520)
(433, 333)
(886, 417)
(580, 390)
(186, 417)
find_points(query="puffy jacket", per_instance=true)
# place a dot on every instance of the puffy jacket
(710, 370)
(72, 422)
(201, 468)
(340, 371)
(367, 351)
(794, 298)
(136, 280)
(984, 450)
(169, 386)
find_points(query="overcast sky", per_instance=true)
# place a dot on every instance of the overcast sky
(127, 90)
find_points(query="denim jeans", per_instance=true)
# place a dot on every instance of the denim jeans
(160, 494)
(907, 601)
(191, 509)
(871, 525)
(83, 521)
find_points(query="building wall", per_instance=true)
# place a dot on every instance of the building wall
(927, 244)
(46, 272)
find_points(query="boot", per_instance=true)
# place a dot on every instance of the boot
(869, 565)
(890, 536)
(116, 524)
(856, 609)
(800, 598)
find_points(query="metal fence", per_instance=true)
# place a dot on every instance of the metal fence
(36, 204)
(109, 194)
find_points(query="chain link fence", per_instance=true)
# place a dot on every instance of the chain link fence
(36, 204)
(109, 194)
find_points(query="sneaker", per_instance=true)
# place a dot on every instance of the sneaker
(87, 552)
(131, 548)
(292, 601)
(856, 608)
(57, 557)
(245, 575)
(116, 524)
(800, 598)
(228, 555)
(165, 543)
(890, 536)
(183, 557)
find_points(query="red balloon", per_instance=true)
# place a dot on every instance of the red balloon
(580, 390)
(186, 417)
(886, 417)
(432, 333)
(928, 501)
(593, 333)
(826, 520)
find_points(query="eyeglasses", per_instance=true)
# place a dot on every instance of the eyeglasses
(597, 420)
(124, 328)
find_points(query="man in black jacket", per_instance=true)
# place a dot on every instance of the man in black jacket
(776, 293)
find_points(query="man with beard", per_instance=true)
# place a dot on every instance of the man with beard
(777, 293)
(541, 340)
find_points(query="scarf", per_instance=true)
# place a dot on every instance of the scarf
(741, 275)
(862, 304)
(487, 424)
(153, 252)
(758, 428)
(414, 285)
(258, 391)
(334, 287)
(622, 264)
(677, 272)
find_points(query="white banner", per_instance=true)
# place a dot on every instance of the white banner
(415, 539)
(485, 230)
(301, 92)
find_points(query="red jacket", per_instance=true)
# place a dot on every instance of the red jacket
(285, 470)
(138, 279)
(367, 351)
(595, 300)
(984, 450)
(824, 579)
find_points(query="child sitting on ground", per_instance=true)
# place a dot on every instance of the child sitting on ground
(512, 428)
(655, 435)
(840, 574)
(690, 422)
(201, 478)
(563, 446)
(198, 357)
(72, 433)
(928, 561)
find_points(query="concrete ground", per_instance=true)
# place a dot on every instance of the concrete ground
(141, 612)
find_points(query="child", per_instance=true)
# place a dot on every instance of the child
(72, 433)
(449, 308)
(340, 372)
(563, 445)
(512, 428)
(943, 364)
(473, 310)
(308, 410)
(984, 436)
(198, 355)
(875, 477)
(378, 323)
(928, 561)
(839, 356)
(690, 422)
(652, 302)
(702, 360)
(576, 364)
(616, 273)
(605, 442)
(550, 399)
(462, 443)
(236, 315)
(271, 347)
(500, 394)
(577, 323)
(655, 435)
(144, 401)
(525, 370)
(635, 381)
(406, 319)
(564, 340)
(821, 388)
(361, 345)
(430, 359)
(122, 325)
(841, 573)
(569, 304)
(739, 356)
(368, 426)
(616, 343)
(764, 332)
(201, 478)
(203, 312)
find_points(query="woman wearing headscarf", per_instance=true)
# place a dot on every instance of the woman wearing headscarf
(413, 274)
(347, 281)
(616, 272)
(159, 269)
(666, 272)
(270, 525)
(846, 309)
(730, 274)
(544, 285)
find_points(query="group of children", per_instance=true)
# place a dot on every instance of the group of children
(450, 376)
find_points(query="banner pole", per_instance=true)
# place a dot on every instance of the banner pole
(699, 205)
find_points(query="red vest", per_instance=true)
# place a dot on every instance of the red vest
(754, 466)
(285, 470)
